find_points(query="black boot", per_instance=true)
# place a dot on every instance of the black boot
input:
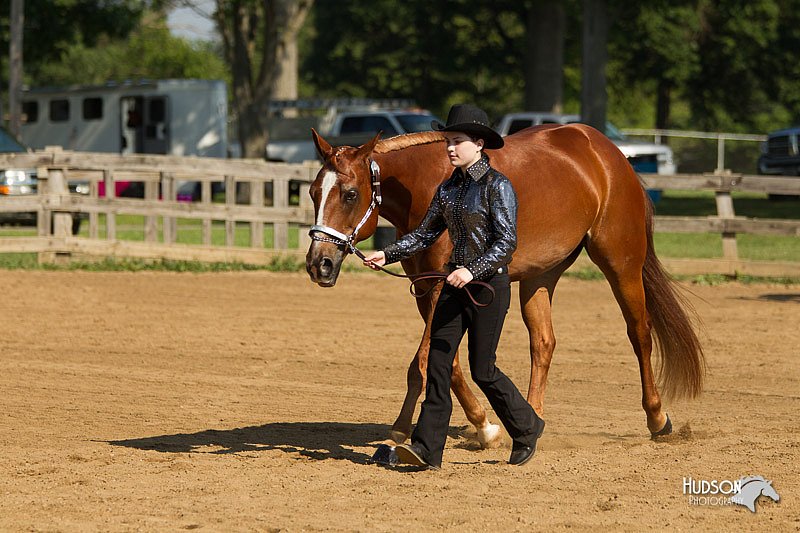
(411, 454)
(522, 452)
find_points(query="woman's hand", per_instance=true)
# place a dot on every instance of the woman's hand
(375, 260)
(460, 277)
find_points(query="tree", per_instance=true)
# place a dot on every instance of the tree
(437, 53)
(255, 34)
(52, 26)
(731, 89)
(544, 62)
(596, 24)
(657, 44)
(150, 52)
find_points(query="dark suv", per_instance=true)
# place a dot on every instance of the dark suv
(22, 181)
(780, 154)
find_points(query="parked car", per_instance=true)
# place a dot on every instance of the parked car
(290, 139)
(22, 181)
(644, 157)
(780, 154)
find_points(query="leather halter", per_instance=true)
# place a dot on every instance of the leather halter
(348, 242)
(340, 239)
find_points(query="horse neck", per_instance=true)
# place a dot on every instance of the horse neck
(409, 178)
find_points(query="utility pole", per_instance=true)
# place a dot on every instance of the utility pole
(15, 67)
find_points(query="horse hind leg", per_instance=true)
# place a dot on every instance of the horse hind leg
(627, 284)
(535, 303)
(536, 299)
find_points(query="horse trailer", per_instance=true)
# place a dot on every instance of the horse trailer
(175, 117)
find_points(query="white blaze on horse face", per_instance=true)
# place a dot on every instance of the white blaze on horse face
(328, 181)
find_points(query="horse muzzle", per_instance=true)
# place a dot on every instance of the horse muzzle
(323, 263)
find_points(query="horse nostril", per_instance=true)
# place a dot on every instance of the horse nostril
(326, 267)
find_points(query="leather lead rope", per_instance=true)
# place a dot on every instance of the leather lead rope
(437, 277)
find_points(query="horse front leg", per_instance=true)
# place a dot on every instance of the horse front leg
(417, 371)
(488, 434)
(415, 382)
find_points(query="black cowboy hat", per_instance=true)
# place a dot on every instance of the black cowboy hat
(472, 120)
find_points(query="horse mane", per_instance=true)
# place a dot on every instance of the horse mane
(408, 139)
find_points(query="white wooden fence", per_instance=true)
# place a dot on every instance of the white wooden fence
(160, 175)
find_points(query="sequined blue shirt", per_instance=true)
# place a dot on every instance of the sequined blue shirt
(479, 210)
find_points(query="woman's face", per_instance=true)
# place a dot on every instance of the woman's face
(462, 149)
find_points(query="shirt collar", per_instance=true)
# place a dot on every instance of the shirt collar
(479, 168)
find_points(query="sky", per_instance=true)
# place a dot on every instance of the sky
(188, 22)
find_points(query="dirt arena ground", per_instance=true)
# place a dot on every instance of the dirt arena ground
(253, 401)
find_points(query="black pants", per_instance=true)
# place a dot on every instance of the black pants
(455, 314)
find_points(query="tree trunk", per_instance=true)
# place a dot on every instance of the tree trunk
(265, 29)
(286, 74)
(663, 102)
(544, 61)
(593, 68)
(15, 67)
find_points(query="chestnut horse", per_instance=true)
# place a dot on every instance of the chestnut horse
(576, 191)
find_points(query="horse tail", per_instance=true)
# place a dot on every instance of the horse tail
(682, 365)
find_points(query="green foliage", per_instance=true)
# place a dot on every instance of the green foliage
(53, 26)
(150, 52)
(435, 52)
(719, 65)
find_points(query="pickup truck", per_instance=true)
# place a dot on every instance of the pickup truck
(290, 138)
(780, 154)
(643, 156)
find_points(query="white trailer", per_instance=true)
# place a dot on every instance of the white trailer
(175, 117)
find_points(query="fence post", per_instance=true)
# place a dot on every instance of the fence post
(720, 154)
(257, 226)
(111, 193)
(205, 200)
(56, 189)
(725, 211)
(94, 216)
(303, 239)
(230, 202)
(170, 194)
(280, 201)
(150, 221)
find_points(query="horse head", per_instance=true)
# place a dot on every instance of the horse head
(345, 208)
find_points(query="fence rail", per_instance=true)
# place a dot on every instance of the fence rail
(266, 201)
(720, 137)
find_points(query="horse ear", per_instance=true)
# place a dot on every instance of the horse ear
(323, 148)
(365, 150)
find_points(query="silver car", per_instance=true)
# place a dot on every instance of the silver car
(22, 181)
(644, 157)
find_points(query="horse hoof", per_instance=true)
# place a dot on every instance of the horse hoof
(384, 455)
(666, 430)
(489, 435)
(397, 436)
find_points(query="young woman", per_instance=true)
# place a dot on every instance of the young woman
(478, 207)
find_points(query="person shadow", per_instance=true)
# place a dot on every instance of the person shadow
(315, 440)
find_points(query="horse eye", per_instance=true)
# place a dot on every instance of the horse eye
(351, 195)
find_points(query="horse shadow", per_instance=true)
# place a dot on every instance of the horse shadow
(778, 297)
(315, 440)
